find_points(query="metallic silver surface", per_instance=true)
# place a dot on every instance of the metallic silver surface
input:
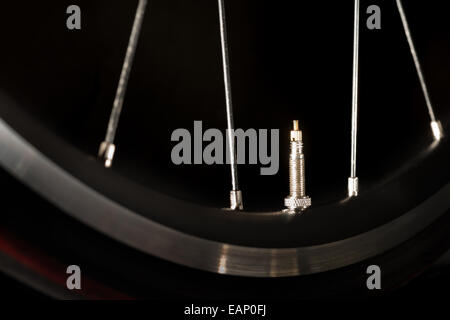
(236, 195)
(106, 153)
(236, 200)
(438, 132)
(297, 200)
(125, 74)
(353, 187)
(92, 208)
(355, 101)
(418, 65)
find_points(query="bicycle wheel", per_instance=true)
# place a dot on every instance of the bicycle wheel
(58, 86)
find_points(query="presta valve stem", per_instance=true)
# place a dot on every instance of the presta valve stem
(297, 201)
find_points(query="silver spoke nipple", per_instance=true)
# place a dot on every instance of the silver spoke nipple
(297, 201)
(106, 153)
(438, 132)
(236, 200)
(353, 187)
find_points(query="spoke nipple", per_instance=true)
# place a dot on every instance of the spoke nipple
(353, 187)
(297, 201)
(106, 153)
(236, 200)
(438, 131)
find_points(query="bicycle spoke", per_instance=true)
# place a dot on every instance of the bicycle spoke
(353, 184)
(235, 194)
(435, 124)
(107, 147)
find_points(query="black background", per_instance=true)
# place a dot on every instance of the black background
(289, 60)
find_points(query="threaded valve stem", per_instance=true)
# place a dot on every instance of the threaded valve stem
(297, 200)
